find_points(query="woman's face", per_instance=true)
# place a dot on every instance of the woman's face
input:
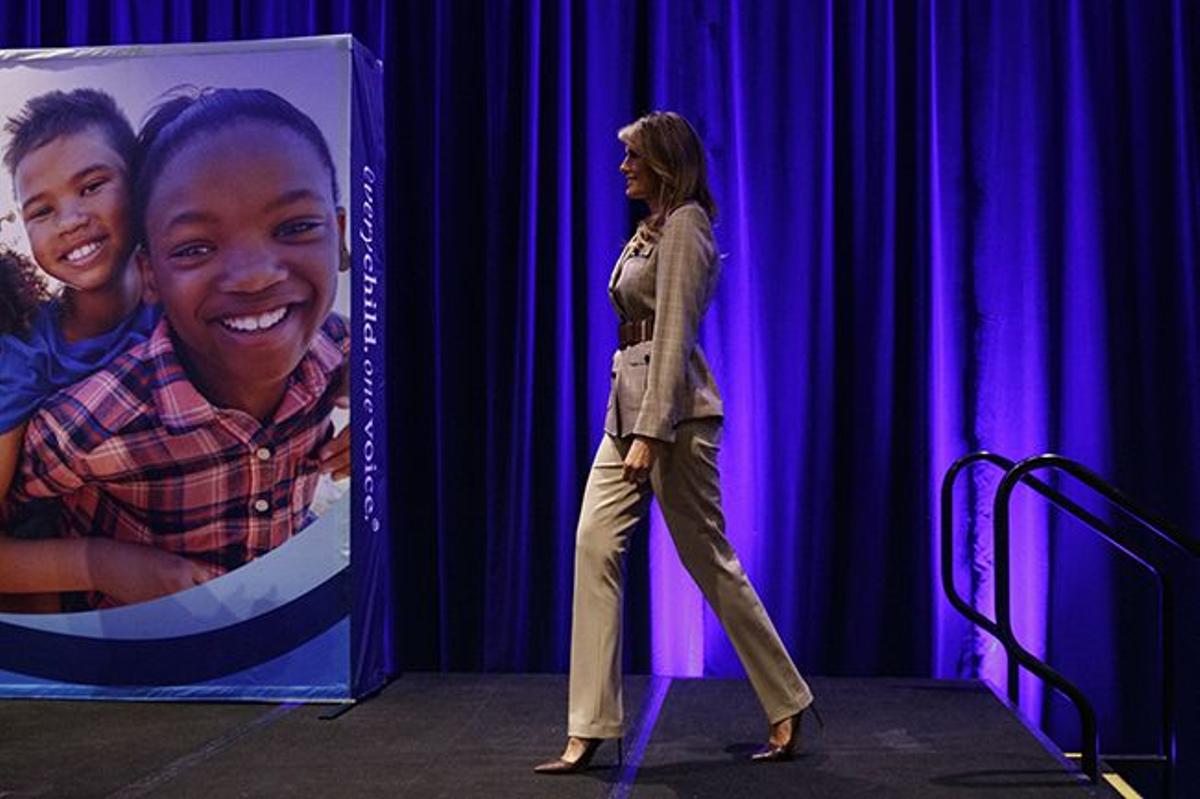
(640, 181)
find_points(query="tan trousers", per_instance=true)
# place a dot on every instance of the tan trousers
(686, 482)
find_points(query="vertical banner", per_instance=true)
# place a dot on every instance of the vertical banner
(371, 622)
(192, 372)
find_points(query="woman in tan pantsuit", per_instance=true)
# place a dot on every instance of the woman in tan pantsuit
(662, 434)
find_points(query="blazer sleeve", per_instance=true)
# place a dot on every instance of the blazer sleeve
(683, 281)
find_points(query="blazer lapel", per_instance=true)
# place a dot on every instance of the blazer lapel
(615, 278)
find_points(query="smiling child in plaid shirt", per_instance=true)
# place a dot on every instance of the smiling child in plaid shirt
(208, 439)
(71, 157)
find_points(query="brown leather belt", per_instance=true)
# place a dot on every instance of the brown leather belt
(635, 332)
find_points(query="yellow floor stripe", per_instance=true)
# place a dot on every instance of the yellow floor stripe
(1112, 778)
(1125, 789)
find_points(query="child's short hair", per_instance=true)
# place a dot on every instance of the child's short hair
(191, 112)
(21, 292)
(54, 114)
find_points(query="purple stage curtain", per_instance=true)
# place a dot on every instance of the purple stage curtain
(947, 226)
(75, 23)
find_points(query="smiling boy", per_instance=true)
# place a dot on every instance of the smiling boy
(71, 157)
(207, 439)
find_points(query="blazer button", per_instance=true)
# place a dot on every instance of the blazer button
(614, 375)
(647, 357)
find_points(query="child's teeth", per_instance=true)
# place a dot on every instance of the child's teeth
(79, 253)
(249, 324)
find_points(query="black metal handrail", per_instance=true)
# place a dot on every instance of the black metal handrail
(947, 542)
(1124, 542)
(1001, 627)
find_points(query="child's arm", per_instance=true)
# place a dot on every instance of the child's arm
(10, 453)
(125, 572)
(334, 455)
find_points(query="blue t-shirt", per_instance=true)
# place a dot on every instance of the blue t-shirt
(35, 366)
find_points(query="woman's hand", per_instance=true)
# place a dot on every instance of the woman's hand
(643, 452)
(129, 573)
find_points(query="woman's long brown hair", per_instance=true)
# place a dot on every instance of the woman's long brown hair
(672, 149)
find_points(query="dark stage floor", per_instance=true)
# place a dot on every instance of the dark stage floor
(436, 735)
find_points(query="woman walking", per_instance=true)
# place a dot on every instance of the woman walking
(662, 435)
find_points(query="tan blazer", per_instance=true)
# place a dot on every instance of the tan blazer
(659, 383)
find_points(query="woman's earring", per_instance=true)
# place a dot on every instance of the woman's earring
(344, 262)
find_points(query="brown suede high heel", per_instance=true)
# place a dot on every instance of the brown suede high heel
(561, 766)
(775, 753)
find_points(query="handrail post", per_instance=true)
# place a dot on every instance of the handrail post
(1166, 614)
(947, 539)
(1089, 736)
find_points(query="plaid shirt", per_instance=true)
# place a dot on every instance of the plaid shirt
(138, 454)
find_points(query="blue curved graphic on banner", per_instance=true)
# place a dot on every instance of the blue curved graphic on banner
(171, 661)
(253, 614)
(315, 671)
(275, 579)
